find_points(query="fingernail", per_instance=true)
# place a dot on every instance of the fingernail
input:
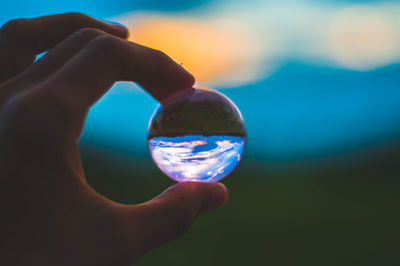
(217, 197)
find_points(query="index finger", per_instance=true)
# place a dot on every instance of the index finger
(105, 60)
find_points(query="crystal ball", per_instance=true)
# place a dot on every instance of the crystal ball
(197, 135)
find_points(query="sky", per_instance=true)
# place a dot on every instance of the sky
(311, 78)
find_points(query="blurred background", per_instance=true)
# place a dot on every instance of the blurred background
(318, 84)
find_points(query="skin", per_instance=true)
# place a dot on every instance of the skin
(49, 214)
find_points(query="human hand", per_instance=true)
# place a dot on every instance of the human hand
(49, 214)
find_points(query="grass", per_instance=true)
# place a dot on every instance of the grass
(341, 211)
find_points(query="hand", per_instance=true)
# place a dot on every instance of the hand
(49, 214)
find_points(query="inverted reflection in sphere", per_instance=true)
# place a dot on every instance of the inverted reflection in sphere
(197, 135)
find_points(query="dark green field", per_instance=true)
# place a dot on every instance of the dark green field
(344, 210)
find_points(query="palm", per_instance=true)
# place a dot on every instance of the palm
(53, 204)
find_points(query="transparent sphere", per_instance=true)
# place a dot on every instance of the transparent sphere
(197, 135)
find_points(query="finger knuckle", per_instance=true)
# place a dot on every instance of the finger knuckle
(21, 110)
(36, 113)
(106, 47)
(14, 28)
(78, 17)
(86, 33)
(105, 43)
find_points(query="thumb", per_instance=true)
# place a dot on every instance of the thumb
(169, 215)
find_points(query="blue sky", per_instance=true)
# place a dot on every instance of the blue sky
(303, 108)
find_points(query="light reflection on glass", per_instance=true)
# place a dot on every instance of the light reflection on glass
(196, 157)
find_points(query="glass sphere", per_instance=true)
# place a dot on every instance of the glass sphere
(197, 135)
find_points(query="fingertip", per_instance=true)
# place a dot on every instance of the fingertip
(122, 31)
(128, 34)
(183, 80)
(212, 195)
(217, 197)
(189, 79)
